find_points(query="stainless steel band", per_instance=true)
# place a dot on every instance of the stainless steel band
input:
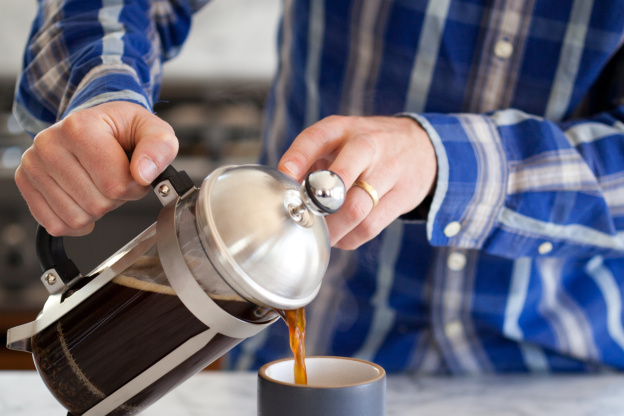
(188, 289)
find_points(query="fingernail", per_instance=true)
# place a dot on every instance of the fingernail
(147, 169)
(291, 167)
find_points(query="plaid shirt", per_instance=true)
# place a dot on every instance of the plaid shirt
(520, 263)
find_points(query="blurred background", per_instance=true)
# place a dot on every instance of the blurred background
(213, 96)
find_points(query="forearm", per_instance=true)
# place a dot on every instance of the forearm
(82, 53)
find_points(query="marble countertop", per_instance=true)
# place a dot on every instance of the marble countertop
(234, 394)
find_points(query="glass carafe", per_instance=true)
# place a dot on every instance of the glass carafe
(213, 270)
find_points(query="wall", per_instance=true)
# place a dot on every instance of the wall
(231, 39)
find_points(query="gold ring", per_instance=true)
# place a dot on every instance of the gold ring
(369, 190)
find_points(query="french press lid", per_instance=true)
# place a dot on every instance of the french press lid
(265, 233)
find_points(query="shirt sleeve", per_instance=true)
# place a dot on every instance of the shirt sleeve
(81, 53)
(518, 185)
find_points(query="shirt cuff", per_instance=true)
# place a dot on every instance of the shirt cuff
(105, 84)
(472, 178)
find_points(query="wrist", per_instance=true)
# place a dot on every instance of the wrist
(429, 161)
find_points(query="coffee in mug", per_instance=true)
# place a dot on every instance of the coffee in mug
(337, 386)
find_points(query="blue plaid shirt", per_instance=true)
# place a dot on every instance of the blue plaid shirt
(519, 265)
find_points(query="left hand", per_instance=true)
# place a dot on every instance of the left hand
(392, 154)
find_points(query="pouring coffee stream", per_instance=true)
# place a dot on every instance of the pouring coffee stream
(296, 321)
(212, 271)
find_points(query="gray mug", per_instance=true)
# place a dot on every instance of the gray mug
(337, 386)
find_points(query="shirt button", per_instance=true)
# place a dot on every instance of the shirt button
(456, 261)
(545, 247)
(503, 49)
(452, 329)
(452, 229)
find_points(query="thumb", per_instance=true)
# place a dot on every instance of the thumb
(155, 147)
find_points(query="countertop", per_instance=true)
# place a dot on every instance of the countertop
(234, 394)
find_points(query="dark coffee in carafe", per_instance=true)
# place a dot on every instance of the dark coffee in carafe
(98, 347)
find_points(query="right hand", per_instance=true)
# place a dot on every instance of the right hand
(77, 170)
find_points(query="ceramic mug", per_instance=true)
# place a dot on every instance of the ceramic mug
(337, 386)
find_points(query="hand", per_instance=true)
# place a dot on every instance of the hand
(393, 154)
(77, 170)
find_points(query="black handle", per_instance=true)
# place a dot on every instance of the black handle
(51, 255)
(51, 251)
(180, 181)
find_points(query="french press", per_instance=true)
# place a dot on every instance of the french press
(215, 268)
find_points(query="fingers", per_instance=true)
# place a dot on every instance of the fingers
(349, 152)
(44, 214)
(332, 144)
(372, 224)
(135, 130)
(78, 170)
(356, 207)
(355, 157)
(393, 154)
(156, 147)
(315, 143)
(58, 190)
(342, 145)
(358, 215)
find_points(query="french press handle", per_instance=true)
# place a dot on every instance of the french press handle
(51, 251)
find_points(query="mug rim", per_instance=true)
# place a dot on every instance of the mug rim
(381, 373)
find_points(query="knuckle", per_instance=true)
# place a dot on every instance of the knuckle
(28, 161)
(20, 177)
(321, 130)
(113, 190)
(29, 169)
(365, 141)
(299, 155)
(369, 228)
(43, 148)
(98, 208)
(316, 133)
(174, 144)
(55, 228)
(74, 130)
(167, 145)
(72, 125)
(168, 140)
(172, 148)
(355, 210)
(336, 119)
(78, 221)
